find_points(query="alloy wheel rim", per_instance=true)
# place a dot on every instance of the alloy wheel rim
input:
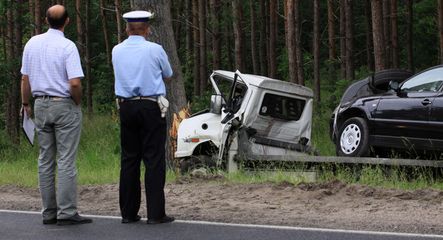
(350, 138)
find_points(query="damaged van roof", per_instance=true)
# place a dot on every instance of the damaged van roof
(269, 83)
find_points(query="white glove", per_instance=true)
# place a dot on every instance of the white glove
(163, 104)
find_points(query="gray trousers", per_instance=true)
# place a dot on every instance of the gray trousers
(58, 125)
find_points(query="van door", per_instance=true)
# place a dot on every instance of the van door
(233, 110)
(282, 124)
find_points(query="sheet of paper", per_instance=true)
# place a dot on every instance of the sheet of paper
(28, 128)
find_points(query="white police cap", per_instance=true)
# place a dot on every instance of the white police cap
(138, 16)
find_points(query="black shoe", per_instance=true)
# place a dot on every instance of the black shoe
(76, 219)
(131, 220)
(50, 221)
(164, 219)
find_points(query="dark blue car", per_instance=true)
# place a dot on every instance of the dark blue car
(390, 110)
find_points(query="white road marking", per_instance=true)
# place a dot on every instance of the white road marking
(433, 236)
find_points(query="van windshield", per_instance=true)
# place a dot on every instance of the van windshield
(225, 84)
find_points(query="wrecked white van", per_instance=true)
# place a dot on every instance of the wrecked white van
(250, 117)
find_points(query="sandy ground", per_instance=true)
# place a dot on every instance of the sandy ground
(329, 205)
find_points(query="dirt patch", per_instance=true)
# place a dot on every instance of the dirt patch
(327, 205)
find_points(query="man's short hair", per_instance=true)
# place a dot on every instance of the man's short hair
(136, 27)
(57, 22)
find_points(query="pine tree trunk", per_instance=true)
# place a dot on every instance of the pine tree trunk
(386, 32)
(118, 17)
(394, 34)
(189, 43)
(292, 57)
(38, 17)
(18, 35)
(14, 49)
(316, 50)
(273, 39)
(409, 41)
(440, 27)
(229, 36)
(378, 37)
(216, 46)
(267, 33)
(331, 42)
(178, 23)
(31, 6)
(238, 34)
(342, 39)
(87, 59)
(263, 42)
(9, 37)
(161, 32)
(331, 31)
(369, 41)
(196, 37)
(175, 13)
(9, 57)
(203, 46)
(350, 74)
(80, 30)
(15, 84)
(254, 54)
(285, 7)
(3, 36)
(298, 48)
(82, 48)
(105, 33)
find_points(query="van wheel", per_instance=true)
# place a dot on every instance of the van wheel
(353, 138)
(194, 162)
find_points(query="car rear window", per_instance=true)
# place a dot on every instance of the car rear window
(282, 107)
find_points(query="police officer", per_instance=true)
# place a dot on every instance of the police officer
(140, 68)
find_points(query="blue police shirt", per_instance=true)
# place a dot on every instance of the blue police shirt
(139, 68)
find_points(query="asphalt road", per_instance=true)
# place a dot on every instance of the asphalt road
(27, 225)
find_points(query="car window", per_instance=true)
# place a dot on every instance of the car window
(282, 107)
(429, 81)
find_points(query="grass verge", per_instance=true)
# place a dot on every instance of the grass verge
(98, 162)
(405, 178)
(98, 159)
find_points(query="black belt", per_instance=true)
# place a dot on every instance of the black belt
(138, 98)
(51, 97)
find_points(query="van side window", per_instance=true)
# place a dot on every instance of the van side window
(282, 107)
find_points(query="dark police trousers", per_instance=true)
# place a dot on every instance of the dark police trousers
(143, 136)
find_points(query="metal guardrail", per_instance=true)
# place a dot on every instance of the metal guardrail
(356, 160)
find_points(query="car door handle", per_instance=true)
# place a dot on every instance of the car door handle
(426, 102)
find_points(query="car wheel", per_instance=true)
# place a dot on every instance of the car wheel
(382, 78)
(353, 138)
